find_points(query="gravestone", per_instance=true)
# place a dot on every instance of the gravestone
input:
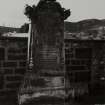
(44, 81)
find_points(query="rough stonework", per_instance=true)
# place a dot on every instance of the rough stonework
(13, 54)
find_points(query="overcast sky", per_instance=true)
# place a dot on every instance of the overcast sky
(12, 11)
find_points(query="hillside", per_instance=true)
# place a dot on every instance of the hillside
(8, 29)
(83, 25)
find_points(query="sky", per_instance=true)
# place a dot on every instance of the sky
(12, 11)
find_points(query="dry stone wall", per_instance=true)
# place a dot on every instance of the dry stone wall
(13, 55)
(84, 62)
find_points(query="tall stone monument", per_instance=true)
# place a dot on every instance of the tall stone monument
(44, 82)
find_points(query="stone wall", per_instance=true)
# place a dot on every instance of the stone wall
(84, 62)
(13, 55)
(78, 56)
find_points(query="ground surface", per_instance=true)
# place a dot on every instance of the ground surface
(87, 100)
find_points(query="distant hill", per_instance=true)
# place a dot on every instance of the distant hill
(83, 25)
(8, 29)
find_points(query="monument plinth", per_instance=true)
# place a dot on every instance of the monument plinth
(45, 77)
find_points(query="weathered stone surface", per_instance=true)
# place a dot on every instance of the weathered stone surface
(15, 50)
(22, 64)
(17, 57)
(1, 82)
(9, 64)
(20, 71)
(2, 54)
(7, 93)
(83, 53)
(76, 68)
(13, 78)
(13, 86)
(8, 71)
